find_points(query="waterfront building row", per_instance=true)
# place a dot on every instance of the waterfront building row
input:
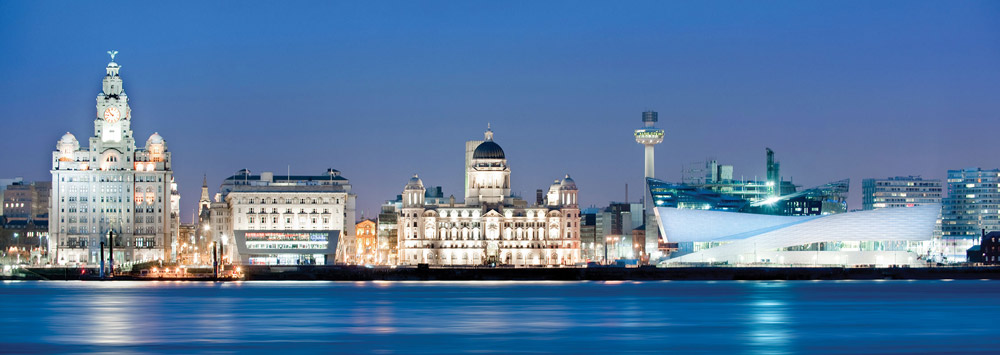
(113, 191)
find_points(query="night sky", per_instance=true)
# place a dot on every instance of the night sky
(382, 90)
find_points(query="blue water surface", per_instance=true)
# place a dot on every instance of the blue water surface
(501, 317)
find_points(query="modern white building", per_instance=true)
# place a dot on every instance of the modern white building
(286, 220)
(491, 226)
(110, 185)
(892, 236)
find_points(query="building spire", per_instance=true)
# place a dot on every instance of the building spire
(489, 133)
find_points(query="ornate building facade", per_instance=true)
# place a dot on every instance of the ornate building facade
(491, 226)
(367, 243)
(111, 185)
(270, 219)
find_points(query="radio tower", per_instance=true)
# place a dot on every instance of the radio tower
(649, 137)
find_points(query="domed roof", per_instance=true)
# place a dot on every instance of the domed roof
(414, 183)
(68, 138)
(155, 138)
(568, 183)
(488, 150)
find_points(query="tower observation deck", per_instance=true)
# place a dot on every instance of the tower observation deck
(649, 136)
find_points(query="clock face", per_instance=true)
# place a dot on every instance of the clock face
(112, 114)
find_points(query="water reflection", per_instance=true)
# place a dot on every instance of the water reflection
(769, 331)
(109, 320)
(498, 317)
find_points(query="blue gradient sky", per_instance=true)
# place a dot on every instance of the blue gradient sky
(381, 90)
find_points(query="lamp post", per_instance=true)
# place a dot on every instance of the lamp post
(215, 260)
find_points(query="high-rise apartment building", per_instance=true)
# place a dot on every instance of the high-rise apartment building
(900, 191)
(973, 204)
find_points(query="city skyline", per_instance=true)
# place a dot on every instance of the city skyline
(555, 109)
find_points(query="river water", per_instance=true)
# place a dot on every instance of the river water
(501, 317)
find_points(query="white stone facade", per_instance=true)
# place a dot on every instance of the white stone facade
(286, 203)
(492, 226)
(888, 236)
(110, 185)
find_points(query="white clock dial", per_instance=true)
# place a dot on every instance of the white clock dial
(112, 114)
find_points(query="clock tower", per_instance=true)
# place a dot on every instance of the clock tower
(113, 123)
(110, 186)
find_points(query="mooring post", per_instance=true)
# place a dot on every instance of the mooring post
(111, 253)
(102, 260)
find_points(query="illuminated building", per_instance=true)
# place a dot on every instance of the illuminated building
(205, 233)
(773, 195)
(491, 226)
(366, 242)
(990, 247)
(288, 220)
(900, 191)
(26, 201)
(615, 225)
(221, 223)
(7, 182)
(388, 232)
(170, 249)
(591, 244)
(973, 204)
(828, 198)
(891, 236)
(111, 185)
(710, 185)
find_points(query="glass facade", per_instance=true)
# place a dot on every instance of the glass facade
(900, 191)
(826, 199)
(973, 204)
